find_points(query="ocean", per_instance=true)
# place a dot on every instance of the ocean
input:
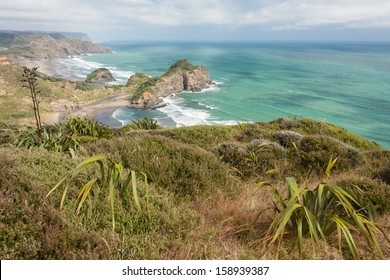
(344, 83)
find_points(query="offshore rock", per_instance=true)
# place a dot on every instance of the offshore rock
(100, 76)
(180, 77)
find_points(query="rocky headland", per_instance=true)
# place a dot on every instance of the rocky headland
(40, 45)
(180, 77)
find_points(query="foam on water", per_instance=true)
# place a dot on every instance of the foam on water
(182, 115)
(121, 116)
(81, 68)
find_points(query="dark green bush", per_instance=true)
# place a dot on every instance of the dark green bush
(375, 190)
(315, 152)
(84, 86)
(169, 164)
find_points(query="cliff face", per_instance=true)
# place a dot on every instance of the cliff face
(194, 80)
(181, 76)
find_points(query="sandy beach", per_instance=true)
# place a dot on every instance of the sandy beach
(49, 67)
(100, 110)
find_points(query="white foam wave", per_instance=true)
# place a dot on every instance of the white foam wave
(207, 106)
(212, 88)
(182, 115)
(81, 68)
(227, 122)
(122, 117)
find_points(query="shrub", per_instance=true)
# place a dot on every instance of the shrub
(113, 182)
(30, 229)
(84, 86)
(84, 127)
(376, 192)
(319, 213)
(384, 174)
(146, 124)
(49, 140)
(207, 137)
(170, 165)
(316, 150)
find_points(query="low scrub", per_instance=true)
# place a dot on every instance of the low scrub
(320, 213)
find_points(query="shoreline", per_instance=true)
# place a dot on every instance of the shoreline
(100, 110)
(50, 67)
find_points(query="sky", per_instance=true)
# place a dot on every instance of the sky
(203, 20)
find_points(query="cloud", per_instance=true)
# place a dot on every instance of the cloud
(105, 15)
(299, 14)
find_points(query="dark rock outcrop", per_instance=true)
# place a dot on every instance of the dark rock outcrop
(100, 76)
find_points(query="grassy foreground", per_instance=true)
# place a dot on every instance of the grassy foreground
(203, 192)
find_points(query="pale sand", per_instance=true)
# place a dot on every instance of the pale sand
(49, 67)
(91, 109)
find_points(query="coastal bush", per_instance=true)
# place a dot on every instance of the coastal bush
(113, 184)
(318, 214)
(77, 126)
(375, 191)
(170, 165)
(314, 152)
(313, 127)
(207, 137)
(84, 86)
(384, 174)
(49, 140)
(256, 159)
(30, 229)
(142, 124)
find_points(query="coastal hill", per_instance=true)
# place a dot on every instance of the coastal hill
(39, 45)
(181, 76)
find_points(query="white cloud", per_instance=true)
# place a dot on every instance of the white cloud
(104, 15)
(303, 14)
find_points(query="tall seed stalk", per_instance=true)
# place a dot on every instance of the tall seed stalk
(29, 78)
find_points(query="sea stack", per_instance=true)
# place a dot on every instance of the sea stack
(181, 76)
(100, 76)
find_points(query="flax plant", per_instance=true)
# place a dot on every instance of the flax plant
(320, 213)
(114, 177)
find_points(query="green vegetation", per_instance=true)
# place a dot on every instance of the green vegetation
(84, 86)
(193, 192)
(142, 83)
(319, 213)
(181, 65)
(95, 73)
(142, 124)
(29, 78)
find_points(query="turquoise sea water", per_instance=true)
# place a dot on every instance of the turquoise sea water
(347, 84)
